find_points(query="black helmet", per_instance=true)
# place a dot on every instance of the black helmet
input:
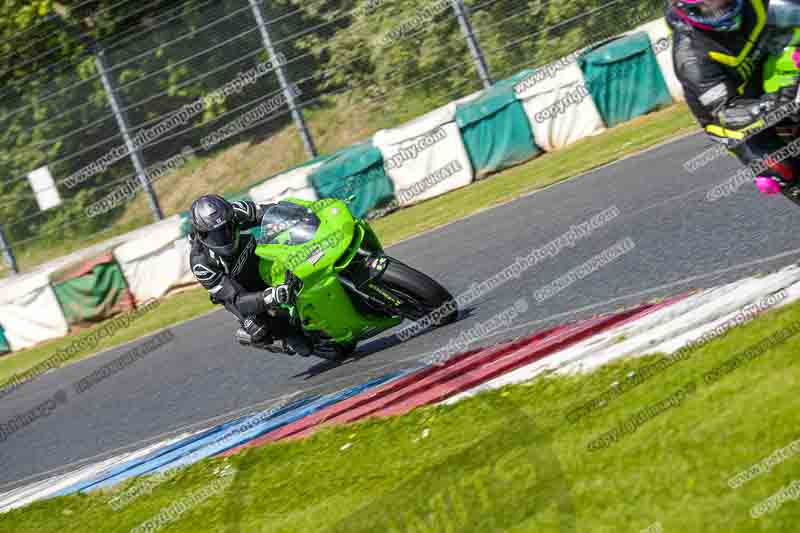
(214, 225)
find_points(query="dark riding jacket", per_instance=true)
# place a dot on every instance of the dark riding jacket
(722, 72)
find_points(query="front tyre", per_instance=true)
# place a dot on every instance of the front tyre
(421, 295)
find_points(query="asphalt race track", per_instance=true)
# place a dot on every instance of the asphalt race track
(203, 377)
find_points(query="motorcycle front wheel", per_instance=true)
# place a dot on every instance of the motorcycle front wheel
(420, 294)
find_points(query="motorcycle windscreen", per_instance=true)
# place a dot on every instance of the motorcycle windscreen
(289, 224)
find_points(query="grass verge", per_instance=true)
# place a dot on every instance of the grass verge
(181, 307)
(508, 460)
(545, 170)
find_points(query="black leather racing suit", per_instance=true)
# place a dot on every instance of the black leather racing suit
(728, 99)
(235, 281)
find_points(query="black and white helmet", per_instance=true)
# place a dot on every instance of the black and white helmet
(214, 224)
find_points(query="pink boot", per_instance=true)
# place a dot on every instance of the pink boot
(767, 185)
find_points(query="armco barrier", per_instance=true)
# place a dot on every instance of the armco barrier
(423, 159)
(294, 183)
(613, 73)
(495, 128)
(5, 347)
(426, 157)
(30, 312)
(661, 44)
(560, 109)
(156, 263)
(355, 175)
(93, 291)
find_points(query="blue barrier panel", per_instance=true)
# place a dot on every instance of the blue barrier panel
(496, 131)
(624, 78)
(357, 172)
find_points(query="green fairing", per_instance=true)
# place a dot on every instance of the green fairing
(781, 70)
(323, 305)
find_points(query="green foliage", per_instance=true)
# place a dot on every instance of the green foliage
(54, 109)
(400, 49)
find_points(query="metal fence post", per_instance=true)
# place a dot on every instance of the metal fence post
(8, 253)
(472, 42)
(122, 122)
(283, 78)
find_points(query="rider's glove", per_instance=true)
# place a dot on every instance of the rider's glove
(280, 295)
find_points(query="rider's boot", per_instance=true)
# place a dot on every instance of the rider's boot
(265, 342)
(298, 343)
(769, 185)
(294, 344)
(293, 338)
(779, 176)
(274, 334)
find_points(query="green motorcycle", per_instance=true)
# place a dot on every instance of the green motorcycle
(344, 288)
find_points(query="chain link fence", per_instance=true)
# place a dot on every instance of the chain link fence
(133, 98)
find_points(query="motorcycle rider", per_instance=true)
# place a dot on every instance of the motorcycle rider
(223, 260)
(719, 48)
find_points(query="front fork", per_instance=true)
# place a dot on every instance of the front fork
(363, 279)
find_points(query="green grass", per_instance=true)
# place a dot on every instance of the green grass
(505, 460)
(503, 187)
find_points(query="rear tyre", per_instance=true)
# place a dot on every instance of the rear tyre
(422, 296)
